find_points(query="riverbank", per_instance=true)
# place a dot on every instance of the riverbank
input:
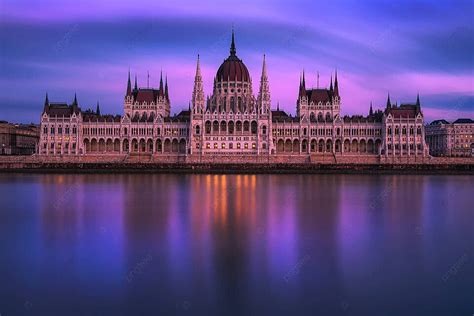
(104, 164)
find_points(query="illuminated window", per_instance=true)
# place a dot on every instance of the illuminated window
(238, 145)
(246, 146)
(254, 145)
(208, 145)
(215, 146)
(223, 145)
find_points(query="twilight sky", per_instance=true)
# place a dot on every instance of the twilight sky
(402, 47)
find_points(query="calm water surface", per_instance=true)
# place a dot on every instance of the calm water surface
(236, 245)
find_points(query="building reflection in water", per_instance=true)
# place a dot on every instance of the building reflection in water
(80, 219)
(238, 243)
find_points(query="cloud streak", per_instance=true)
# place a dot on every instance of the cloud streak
(404, 47)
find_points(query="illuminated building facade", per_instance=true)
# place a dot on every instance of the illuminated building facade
(232, 123)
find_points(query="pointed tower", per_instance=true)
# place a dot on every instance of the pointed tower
(371, 111)
(302, 91)
(162, 92)
(264, 92)
(330, 86)
(304, 83)
(46, 103)
(418, 105)
(389, 103)
(336, 86)
(97, 109)
(136, 85)
(129, 85)
(75, 100)
(198, 91)
(232, 45)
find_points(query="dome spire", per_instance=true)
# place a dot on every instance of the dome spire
(232, 45)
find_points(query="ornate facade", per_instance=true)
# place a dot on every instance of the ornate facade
(232, 123)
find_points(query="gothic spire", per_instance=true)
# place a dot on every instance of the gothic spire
(330, 87)
(418, 105)
(264, 92)
(97, 109)
(304, 84)
(232, 45)
(371, 111)
(46, 103)
(129, 84)
(198, 91)
(75, 99)
(389, 103)
(302, 91)
(161, 81)
(264, 68)
(198, 68)
(136, 86)
(336, 85)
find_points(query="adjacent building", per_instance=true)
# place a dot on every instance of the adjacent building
(232, 122)
(454, 139)
(18, 139)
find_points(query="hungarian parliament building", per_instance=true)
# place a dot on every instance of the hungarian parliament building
(232, 124)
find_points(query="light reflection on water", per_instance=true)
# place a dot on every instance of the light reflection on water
(236, 244)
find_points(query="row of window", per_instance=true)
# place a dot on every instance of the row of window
(231, 145)
(59, 129)
(362, 132)
(59, 145)
(135, 131)
(404, 146)
(101, 131)
(230, 127)
(404, 130)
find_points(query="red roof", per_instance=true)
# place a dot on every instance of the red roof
(319, 95)
(405, 110)
(146, 95)
(233, 69)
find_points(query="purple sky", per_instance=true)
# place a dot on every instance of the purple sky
(402, 47)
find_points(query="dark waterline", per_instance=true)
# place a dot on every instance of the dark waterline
(139, 244)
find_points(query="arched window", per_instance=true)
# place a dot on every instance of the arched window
(232, 104)
(264, 130)
(239, 104)
(208, 127)
(198, 129)
(254, 127)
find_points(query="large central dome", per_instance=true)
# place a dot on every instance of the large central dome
(232, 69)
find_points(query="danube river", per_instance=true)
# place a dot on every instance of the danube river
(137, 244)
